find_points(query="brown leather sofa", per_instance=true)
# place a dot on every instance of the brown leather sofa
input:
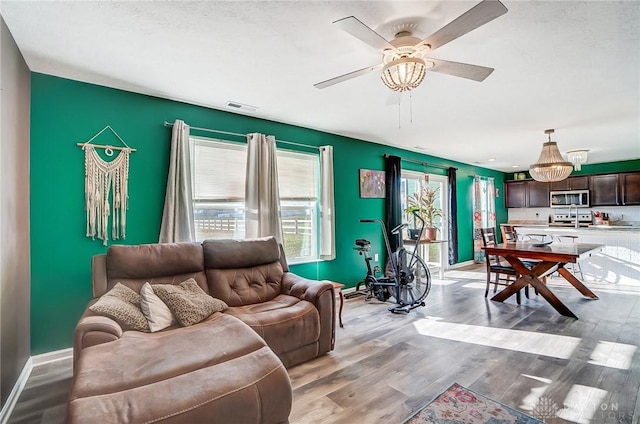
(228, 368)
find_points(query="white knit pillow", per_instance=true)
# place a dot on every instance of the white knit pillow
(155, 310)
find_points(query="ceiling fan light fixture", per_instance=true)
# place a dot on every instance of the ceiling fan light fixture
(550, 166)
(404, 73)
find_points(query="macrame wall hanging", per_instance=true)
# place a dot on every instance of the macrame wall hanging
(106, 188)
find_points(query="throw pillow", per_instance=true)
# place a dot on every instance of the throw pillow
(155, 310)
(188, 302)
(122, 304)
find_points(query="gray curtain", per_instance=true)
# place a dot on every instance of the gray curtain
(262, 199)
(177, 217)
(327, 205)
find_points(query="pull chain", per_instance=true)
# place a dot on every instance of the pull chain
(399, 110)
(410, 107)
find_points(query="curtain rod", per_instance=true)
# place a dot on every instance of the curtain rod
(386, 155)
(169, 124)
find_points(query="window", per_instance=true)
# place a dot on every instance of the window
(219, 170)
(218, 189)
(298, 186)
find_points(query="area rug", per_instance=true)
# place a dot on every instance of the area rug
(458, 405)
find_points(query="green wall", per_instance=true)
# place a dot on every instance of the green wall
(65, 112)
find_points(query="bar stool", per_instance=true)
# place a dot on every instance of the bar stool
(575, 267)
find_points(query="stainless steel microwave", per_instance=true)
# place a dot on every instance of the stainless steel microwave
(564, 199)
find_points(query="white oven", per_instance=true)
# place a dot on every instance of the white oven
(564, 199)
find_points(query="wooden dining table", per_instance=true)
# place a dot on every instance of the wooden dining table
(549, 256)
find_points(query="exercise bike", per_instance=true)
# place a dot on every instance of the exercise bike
(406, 278)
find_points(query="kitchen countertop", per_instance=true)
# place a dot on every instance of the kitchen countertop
(590, 227)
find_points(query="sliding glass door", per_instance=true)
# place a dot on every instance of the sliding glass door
(434, 253)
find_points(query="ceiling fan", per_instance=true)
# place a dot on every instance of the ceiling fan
(403, 63)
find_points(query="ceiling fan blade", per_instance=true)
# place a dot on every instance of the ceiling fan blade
(345, 77)
(463, 70)
(480, 14)
(363, 33)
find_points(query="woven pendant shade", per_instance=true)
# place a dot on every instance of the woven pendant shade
(404, 74)
(550, 166)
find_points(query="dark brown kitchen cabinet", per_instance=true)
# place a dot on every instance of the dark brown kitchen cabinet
(630, 185)
(523, 194)
(621, 189)
(537, 194)
(605, 190)
(515, 194)
(572, 183)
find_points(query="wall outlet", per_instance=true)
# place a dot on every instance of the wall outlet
(375, 257)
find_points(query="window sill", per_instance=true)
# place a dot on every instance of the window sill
(304, 261)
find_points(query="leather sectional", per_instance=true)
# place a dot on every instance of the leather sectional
(228, 368)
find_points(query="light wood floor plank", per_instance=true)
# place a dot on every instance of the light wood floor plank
(387, 366)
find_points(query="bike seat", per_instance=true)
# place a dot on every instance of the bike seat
(363, 242)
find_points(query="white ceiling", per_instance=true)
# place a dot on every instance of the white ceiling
(569, 65)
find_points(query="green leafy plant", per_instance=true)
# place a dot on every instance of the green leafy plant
(423, 202)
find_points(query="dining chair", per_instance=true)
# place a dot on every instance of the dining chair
(509, 233)
(496, 265)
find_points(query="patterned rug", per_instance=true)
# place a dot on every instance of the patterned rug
(458, 405)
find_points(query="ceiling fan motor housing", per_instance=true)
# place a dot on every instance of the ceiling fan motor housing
(404, 44)
(403, 60)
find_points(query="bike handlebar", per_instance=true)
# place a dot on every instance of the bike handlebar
(415, 214)
(398, 228)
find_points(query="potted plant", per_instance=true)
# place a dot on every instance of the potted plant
(423, 203)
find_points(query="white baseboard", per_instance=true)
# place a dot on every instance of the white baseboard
(32, 362)
(448, 268)
(461, 264)
(56, 355)
(348, 290)
(7, 409)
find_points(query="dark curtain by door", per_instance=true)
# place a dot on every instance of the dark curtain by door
(392, 191)
(453, 217)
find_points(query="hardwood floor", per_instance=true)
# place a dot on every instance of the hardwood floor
(386, 366)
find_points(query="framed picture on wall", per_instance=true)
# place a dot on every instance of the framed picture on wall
(371, 184)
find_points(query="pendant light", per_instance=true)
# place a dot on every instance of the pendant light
(550, 166)
(577, 158)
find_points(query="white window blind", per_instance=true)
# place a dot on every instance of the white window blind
(219, 170)
(297, 175)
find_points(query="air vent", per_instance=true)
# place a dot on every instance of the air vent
(241, 106)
